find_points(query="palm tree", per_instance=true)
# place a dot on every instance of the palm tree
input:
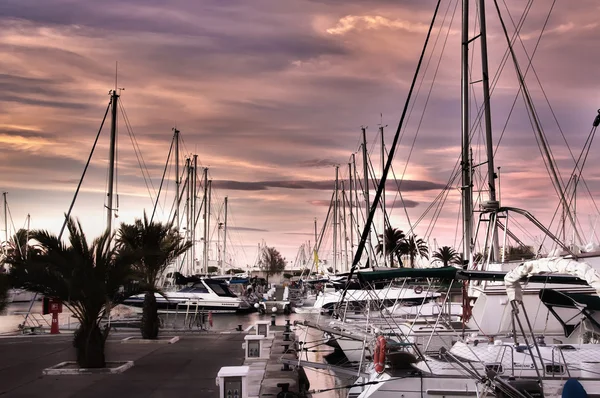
(447, 255)
(156, 245)
(394, 241)
(415, 247)
(88, 279)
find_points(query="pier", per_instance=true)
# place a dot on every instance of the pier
(189, 367)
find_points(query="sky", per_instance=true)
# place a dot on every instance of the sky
(271, 95)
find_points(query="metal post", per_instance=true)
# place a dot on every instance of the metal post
(111, 161)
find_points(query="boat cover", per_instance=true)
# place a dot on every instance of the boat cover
(558, 265)
(393, 273)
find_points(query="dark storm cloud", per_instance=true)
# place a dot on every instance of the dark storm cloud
(247, 229)
(317, 163)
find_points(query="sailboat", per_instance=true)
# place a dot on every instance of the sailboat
(483, 363)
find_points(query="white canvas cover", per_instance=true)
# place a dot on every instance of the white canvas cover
(558, 265)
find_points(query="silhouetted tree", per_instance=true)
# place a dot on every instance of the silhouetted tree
(447, 255)
(415, 247)
(271, 262)
(87, 278)
(394, 244)
(156, 245)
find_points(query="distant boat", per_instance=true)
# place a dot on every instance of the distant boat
(204, 295)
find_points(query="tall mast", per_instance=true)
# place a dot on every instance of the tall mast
(111, 162)
(5, 222)
(335, 221)
(208, 218)
(225, 236)
(467, 196)
(488, 124)
(315, 254)
(383, 194)
(177, 179)
(205, 217)
(366, 190)
(188, 211)
(345, 236)
(351, 207)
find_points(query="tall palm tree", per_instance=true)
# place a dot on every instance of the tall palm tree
(447, 255)
(156, 245)
(394, 241)
(89, 279)
(415, 247)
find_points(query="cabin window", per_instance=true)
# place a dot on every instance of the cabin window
(555, 369)
(494, 367)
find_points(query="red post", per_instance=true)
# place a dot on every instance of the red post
(55, 309)
(54, 325)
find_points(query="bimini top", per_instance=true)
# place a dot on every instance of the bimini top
(393, 273)
(554, 298)
(573, 305)
(460, 274)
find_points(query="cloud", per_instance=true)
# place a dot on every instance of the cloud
(352, 22)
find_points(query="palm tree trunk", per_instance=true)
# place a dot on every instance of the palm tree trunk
(89, 345)
(150, 321)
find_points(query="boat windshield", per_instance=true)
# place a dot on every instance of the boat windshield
(220, 288)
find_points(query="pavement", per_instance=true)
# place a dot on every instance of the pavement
(186, 368)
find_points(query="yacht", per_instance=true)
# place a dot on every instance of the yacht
(205, 294)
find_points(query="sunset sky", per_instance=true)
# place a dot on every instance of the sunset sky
(271, 94)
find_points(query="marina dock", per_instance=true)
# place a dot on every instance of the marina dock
(187, 368)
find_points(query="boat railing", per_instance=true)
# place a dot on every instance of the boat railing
(558, 366)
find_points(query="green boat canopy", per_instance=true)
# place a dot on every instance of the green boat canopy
(459, 274)
(393, 273)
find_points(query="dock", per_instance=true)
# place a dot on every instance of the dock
(188, 367)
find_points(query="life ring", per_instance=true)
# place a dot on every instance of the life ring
(418, 289)
(379, 357)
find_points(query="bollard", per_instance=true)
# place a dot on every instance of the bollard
(273, 320)
(286, 347)
(239, 328)
(287, 326)
(286, 367)
(286, 336)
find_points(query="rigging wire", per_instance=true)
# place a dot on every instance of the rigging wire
(68, 214)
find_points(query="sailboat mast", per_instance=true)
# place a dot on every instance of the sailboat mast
(467, 196)
(177, 179)
(383, 195)
(5, 221)
(335, 221)
(351, 207)
(366, 189)
(205, 238)
(315, 254)
(488, 125)
(224, 261)
(208, 204)
(188, 211)
(111, 161)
